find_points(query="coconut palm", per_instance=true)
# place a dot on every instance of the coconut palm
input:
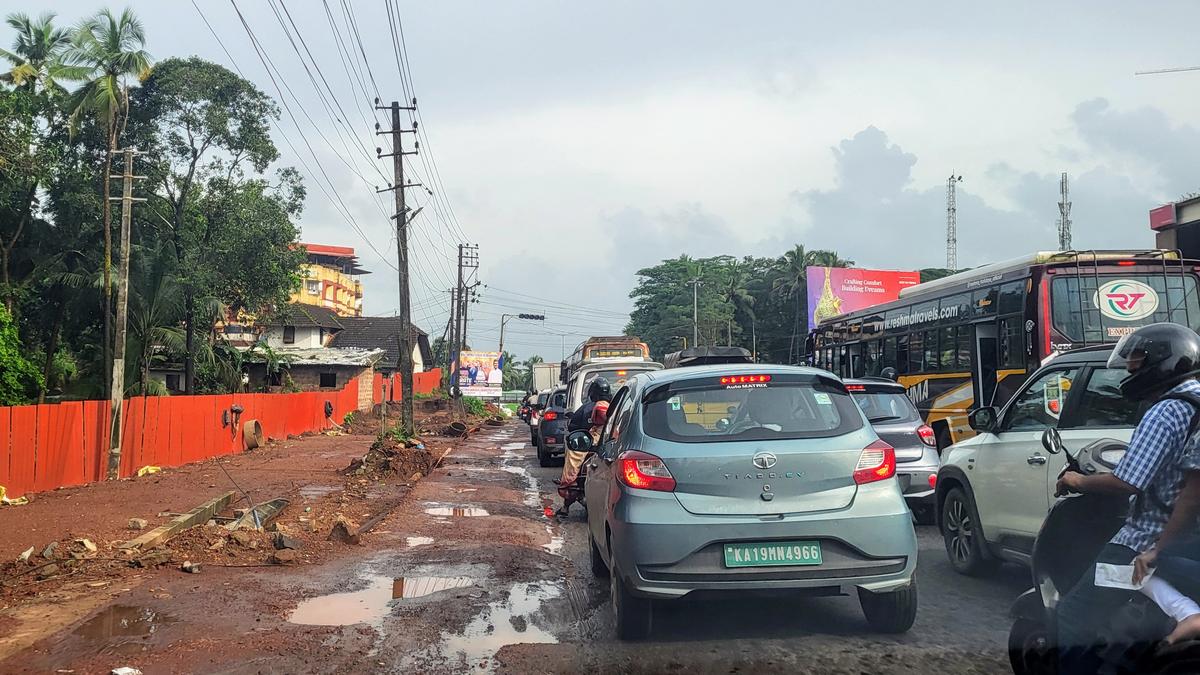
(734, 291)
(35, 57)
(792, 282)
(105, 52)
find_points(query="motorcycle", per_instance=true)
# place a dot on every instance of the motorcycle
(1074, 532)
(579, 446)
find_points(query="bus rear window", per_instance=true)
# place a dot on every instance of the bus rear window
(1084, 313)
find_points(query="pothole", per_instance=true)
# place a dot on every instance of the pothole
(506, 622)
(117, 628)
(457, 511)
(372, 604)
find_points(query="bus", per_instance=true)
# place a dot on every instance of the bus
(615, 358)
(969, 339)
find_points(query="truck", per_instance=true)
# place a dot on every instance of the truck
(615, 358)
(545, 375)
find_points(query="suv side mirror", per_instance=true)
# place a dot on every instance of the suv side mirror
(1052, 441)
(579, 441)
(983, 419)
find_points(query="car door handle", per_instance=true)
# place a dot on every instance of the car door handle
(1035, 460)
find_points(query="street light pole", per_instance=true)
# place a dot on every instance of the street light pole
(504, 319)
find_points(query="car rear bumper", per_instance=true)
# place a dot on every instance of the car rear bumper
(913, 478)
(663, 551)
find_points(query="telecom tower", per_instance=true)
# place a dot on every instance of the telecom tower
(952, 223)
(1064, 214)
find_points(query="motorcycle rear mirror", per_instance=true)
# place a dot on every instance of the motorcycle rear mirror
(579, 441)
(1052, 441)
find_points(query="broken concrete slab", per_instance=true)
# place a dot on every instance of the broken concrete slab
(49, 551)
(87, 544)
(260, 515)
(197, 516)
(190, 567)
(154, 559)
(24, 557)
(137, 524)
(282, 541)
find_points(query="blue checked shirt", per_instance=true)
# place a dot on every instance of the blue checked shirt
(1155, 464)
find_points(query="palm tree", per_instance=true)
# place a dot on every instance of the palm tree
(105, 52)
(36, 51)
(793, 282)
(734, 291)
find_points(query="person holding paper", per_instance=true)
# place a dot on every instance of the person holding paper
(1163, 360)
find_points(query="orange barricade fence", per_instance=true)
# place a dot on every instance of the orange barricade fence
(423, 383)
(43, 447)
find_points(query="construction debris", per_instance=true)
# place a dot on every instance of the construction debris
(48, 552)
(125, 670)
(137, 524)
(87, 545)
(259, 516)
(24, 557)
(154, 559)
(190, 567)
(343, 531)
(197, 516)
(282, 541)
(283, 557)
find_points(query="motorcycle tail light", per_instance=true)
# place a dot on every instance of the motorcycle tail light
(645, 472)
(876, 462)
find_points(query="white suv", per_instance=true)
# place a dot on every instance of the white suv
(994, 490)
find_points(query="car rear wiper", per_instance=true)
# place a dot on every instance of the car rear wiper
(885, 418)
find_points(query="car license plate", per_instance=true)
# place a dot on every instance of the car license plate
(771, 553)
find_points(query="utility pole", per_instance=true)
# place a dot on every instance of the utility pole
(1064, 214)
(401, 217)
(116, 392)
(952, 222)
(468, 258)
(695, 312)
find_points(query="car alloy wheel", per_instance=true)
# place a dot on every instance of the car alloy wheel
(962, 536)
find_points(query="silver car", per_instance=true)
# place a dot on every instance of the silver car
(741, 478)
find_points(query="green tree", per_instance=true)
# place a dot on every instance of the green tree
(204, 127)
(105, 52)
(792, 283)
(19, 377)
(37, 50)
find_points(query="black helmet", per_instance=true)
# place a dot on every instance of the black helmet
(1158, 357)
(599, 390)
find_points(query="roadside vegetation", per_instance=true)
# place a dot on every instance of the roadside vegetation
(216, 234)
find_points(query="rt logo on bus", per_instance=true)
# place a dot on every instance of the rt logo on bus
(1126, 300)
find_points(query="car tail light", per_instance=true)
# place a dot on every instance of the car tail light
(1126, 263)
(877, 462)
(645, 472)
(549, 416)
(933, 481)
(856, 387)
(928, 437)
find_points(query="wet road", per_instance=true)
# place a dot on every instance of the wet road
(961, 626)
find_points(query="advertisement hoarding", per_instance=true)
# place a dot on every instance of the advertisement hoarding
(838, 290)
(479, 374)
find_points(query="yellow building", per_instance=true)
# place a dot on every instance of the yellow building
(329, 280)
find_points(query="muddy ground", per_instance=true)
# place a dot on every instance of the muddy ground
(468, 574)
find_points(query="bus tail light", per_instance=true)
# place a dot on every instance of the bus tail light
(877, 462)
(928, 437)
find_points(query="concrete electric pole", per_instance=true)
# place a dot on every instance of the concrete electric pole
(401, 217)
(116, 393)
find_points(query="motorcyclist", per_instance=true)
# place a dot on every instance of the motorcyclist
(1162, 360)
(1175, 557)
(599, 394)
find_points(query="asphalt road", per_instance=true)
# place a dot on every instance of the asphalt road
(962, 623)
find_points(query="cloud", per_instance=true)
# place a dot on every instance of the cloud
(1146, 135)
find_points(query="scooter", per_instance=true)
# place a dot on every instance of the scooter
(579, 446)
(1071, 537)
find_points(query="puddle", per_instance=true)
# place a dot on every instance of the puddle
(120, 627)
(413, 542)
(502, 623)
(512, 446)
(317, 491)
(457, 511)
(372, 604)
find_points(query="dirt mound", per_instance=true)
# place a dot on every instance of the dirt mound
(409, 460)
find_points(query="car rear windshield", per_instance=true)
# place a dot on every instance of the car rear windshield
(542, 399)
(558, 399)
(767, 407)
(616, 379)
(885, 406)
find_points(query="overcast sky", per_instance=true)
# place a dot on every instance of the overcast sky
(578, 142)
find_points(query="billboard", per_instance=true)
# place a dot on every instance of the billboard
(838, 290)
(480, 374)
